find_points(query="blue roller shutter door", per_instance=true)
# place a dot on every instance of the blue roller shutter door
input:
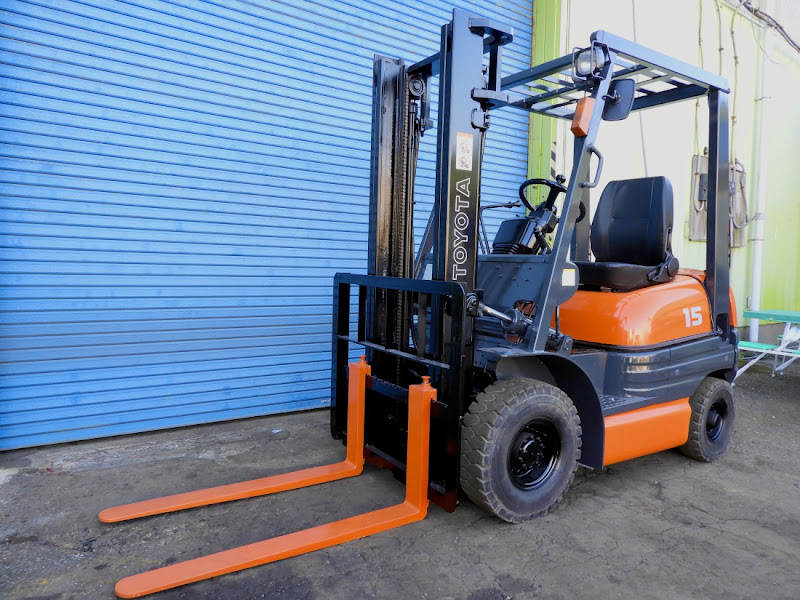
(180, 181)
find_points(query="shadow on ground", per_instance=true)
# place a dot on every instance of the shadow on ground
(658, 527)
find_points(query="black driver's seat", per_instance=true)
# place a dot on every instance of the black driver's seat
(631, 236)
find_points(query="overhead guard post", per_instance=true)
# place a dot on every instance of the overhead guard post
(413, 508)
(350, 467)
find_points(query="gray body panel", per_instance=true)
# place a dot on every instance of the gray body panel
(604, 381)
(624, 378)
(506, 278)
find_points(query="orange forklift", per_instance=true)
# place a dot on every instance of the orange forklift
(494, 375)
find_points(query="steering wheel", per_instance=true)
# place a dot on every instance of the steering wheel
(556, 187)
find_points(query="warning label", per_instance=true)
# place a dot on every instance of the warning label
(464, 151)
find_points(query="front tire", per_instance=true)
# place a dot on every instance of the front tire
(520, 446)
(713, 417)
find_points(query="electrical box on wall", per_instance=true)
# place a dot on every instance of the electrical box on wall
(699, 199)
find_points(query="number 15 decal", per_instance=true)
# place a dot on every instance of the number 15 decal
(693, 316)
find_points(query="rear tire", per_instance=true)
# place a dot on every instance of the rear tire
(713, 418)
(520, 446)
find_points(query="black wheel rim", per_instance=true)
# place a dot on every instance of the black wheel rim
(716, 421)
(534, 454)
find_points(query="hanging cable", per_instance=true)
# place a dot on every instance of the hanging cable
(702, 66)
(758, 41)
(720, 47)
(735, 89)
(641, 121)
(481, 225)
(736, 163)
(697, 204)
(566, 146)
(772, 22)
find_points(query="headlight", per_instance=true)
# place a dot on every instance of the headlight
(588, 61)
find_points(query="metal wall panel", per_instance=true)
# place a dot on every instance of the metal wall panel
(180, 180)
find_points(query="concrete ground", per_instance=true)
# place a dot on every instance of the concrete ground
(658, 527)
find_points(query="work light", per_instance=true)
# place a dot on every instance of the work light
(586, 62)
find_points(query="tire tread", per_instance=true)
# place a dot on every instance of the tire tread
(693, 448)
(486, 416)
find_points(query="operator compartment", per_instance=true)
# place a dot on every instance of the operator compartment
(634, 295)
(647, 316)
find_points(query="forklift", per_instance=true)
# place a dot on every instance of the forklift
(495, 375)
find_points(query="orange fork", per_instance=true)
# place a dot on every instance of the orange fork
(350, 467)
(413, 508)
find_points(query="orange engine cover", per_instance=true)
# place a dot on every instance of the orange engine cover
(646, 317)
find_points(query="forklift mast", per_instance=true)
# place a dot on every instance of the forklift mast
(414, 327)
(401, 114)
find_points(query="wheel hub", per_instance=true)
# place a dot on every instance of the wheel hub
(716, 420)
(534, 454)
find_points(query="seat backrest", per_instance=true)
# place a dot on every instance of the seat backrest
(633, 221)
